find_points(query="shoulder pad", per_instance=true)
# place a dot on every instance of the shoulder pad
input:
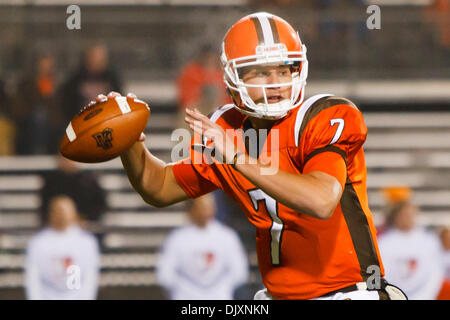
(309, 111)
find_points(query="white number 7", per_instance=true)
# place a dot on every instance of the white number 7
(339, 130)
(276, 230)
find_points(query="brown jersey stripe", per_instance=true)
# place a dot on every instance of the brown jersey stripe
(273, 26)
(326, 149)
(320, 105)
(258, 29)
(359, 229)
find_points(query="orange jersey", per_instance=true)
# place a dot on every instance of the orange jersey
(301, 257)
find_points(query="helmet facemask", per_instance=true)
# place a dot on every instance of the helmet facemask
(273, 55)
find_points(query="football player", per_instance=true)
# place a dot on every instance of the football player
(315, 233)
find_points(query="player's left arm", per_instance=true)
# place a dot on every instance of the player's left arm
(318, 190)
(315, 193)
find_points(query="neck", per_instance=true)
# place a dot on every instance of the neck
(60, 227)
(405, 228)
(201, 223)
(258, 123)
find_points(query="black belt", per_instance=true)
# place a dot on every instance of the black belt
(351, 288)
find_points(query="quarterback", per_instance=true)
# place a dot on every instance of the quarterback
(315, 234)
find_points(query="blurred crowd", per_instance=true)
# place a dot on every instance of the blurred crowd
(203, 260)
(415, 258)
(36, 111)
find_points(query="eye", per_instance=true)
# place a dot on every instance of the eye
(262, 73)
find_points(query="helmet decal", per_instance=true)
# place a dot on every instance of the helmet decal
(266, 29)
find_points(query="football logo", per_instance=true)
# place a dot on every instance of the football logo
(104, 138)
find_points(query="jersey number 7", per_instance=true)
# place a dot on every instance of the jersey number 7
(340, 128)
(276, 230)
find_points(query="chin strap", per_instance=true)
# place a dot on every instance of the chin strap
(260, 116)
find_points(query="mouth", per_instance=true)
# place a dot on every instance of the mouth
(274, 99)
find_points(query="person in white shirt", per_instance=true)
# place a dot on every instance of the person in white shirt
(62, 260)
(412, 256)
(204, 260)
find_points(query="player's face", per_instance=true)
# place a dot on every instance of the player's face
(268, 75)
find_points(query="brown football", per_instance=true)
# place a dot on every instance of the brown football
(103, 131)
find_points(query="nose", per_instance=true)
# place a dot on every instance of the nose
(273, 78)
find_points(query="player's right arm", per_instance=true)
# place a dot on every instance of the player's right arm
(151, 177)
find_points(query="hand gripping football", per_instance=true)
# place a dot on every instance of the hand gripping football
(103, 131)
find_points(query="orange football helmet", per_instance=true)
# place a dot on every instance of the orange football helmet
(263, 39)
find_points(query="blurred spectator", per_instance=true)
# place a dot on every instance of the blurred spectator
(439, 14)
(411, 255)
(62, 261)
(230, 214)
(393, 195)
(94, 76)
(201, 85)
(7, 128)
(203, 260)
(36, 111)
(444, 294)
(80, 185)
